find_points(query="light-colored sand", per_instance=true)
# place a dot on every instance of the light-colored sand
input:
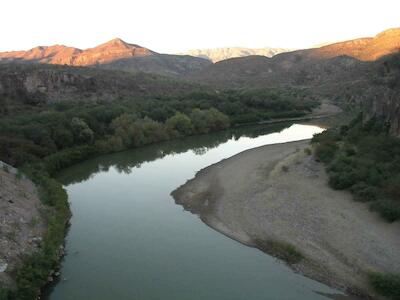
(278, 192)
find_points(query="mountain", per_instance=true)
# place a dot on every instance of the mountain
(309, 66)
(115, 54)
(218, 54)
(365, 49)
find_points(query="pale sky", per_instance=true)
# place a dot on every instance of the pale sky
(170, 26)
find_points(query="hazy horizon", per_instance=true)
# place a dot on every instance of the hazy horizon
(177, 26)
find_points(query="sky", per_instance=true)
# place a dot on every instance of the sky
(172, 26)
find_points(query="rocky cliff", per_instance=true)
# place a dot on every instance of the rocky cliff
(382, 96)
(35, 84)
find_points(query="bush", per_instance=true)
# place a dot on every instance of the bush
(6, 294)
(281, 250)
(364, 193)
(387, 285)
(387, 208)
(307, 151)
(180, 123)
(325, 151)
(343, 180)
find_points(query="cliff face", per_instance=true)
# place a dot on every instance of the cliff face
(34, 84)
(377, 92)
(383, 103)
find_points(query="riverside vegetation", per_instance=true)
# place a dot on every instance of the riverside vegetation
(364, 159)
(43, 139)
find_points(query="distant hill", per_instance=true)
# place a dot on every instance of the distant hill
(115, 54)
(301, 67)
(218, 54)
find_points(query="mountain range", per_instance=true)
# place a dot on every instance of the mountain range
(359, 70)
(232, 66)
(218, 54)
(300, 66)
(115, 54)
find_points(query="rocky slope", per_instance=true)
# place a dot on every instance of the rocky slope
(115, 54)
(218, 54)
(35, 84)
(22, 223)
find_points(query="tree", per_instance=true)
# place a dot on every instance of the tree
(180, 123)
(82, 131)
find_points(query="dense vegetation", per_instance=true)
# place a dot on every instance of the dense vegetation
(40, 131)
(364, 159)
(387, 285)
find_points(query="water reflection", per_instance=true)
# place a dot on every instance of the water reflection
(129, 240)
(124, 163)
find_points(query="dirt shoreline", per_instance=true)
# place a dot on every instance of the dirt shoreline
(280, 193)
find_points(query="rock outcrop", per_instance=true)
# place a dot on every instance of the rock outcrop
(22, 224)
(34, 84)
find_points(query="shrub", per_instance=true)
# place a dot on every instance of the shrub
(387, 285)
(180, 123)
(388, 209)
(364, 193)
(281, 250)
(307, 151)
(325, 151)
(342, 180)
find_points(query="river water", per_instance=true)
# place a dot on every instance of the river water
(129, 240)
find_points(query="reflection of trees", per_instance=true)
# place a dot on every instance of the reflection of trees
(125, 161)
(200, 151)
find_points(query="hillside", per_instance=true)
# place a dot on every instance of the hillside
(39, 83)
(23, 222)
(115, 54)
(218, 54)
(303, 67)
(365, 49)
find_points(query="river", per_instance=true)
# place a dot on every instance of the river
(129, 240)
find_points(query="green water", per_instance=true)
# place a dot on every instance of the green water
(129, 240)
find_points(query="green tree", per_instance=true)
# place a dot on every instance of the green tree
(180, 123)
(82, 131)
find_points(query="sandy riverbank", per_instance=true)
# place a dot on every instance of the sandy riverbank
(278, 193)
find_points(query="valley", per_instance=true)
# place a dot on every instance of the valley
(108, 132)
